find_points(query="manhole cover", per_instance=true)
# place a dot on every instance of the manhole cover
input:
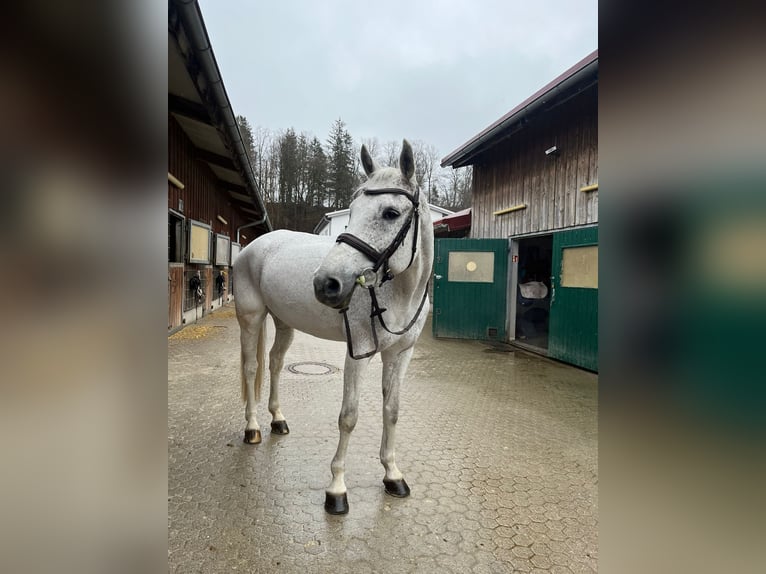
(311, 368)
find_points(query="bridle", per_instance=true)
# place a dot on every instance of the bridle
(380, 260)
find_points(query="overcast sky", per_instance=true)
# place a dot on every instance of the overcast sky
(436, 71)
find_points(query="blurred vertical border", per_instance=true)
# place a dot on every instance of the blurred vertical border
(83, 343)
(682, 120)
(83, 414)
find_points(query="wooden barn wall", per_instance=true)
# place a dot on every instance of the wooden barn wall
(518, 171)
(203, 198)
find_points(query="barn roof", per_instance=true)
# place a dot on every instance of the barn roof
(197, 99)
(454, 225)
(579, 77)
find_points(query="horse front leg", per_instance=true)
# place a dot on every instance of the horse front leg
(282, 339)
(394, 367)
(336, 500)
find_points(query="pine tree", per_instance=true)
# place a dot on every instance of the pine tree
(246, 133)
(317, 174)
(341, 172)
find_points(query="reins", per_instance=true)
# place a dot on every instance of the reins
(380, 259)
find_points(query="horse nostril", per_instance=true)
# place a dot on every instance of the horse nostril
(332, 286)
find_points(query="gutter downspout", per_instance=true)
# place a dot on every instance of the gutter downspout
(194, 26)
(324, 219)
(252, 224)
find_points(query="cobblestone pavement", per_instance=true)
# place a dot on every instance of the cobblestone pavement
(498, 446)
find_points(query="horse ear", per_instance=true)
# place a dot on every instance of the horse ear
(367, 162)
(407, 160)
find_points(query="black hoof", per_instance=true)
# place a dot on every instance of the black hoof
(397, 488)
(279, 427)
(336, 503)
(252, 436)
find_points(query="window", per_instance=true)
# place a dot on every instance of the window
(175, 237)
(199, 242)
(471, 266)
(222, 250)
(579, 267)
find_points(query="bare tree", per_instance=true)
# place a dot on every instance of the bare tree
(260, 161)
(454, 190)
(373, 146)
(391, 153)
(426, 158)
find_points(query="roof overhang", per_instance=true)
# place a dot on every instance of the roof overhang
(198, 101)
(581, 76)
(440, 210)
(459, 221)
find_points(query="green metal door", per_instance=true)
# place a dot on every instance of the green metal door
(470, 285)
(573, 329)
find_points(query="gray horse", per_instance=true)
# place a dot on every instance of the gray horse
(368, 288)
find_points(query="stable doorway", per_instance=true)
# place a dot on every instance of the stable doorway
(531, 291)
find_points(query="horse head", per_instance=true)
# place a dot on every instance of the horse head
(382, 237)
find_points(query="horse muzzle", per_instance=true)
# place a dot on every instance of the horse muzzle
(333, 290)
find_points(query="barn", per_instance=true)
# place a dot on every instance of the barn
(214, 205)
(527, 272)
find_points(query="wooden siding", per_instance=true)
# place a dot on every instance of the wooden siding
(203, 196)
(518, 171)
(207, 279)
(175, 294)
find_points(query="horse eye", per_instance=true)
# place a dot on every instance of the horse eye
(390, 214)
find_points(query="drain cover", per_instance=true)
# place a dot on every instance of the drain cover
(311, 368)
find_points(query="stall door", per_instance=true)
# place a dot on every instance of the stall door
(573, 334)
(470, 284)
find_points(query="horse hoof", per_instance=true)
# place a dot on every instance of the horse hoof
(252, 436)
(279, 427)
(397, 488)
(336, 503)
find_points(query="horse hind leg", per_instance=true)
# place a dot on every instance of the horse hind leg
(282, 340)
(252, 341)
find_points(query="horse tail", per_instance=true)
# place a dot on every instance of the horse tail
(260, 353)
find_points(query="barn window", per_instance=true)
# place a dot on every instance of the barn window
(471, 266)
(199, 242)
(175, 237)
(222, 250)
(579, 267)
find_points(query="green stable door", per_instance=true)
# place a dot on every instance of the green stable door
(470, 286)
(573, 329)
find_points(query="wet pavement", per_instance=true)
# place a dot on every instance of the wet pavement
(499, 447)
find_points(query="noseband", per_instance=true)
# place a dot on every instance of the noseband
(380, 260)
